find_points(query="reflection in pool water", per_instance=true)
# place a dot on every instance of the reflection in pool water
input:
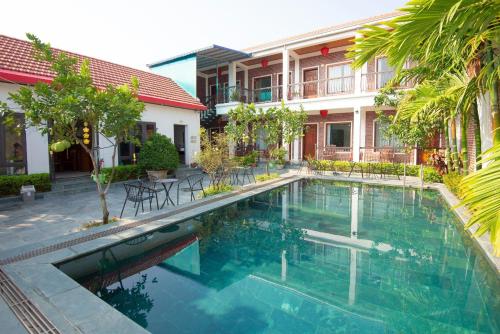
(310, 257)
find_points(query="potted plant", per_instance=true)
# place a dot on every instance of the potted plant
(158, 157)
(277, 155)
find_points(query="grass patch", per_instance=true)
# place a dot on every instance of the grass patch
(265, 177)
(96, 223)
(214, 190)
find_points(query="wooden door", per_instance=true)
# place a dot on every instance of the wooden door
(311, 83)
(309, 141)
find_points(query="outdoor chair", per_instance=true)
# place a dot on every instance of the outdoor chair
(192, 183)
(152, 187)
(134, 192)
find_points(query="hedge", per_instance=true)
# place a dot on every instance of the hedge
(430, 174)
(452, 182)
(122, 173)
(11, 184)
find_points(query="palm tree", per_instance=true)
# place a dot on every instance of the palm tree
(444, 37)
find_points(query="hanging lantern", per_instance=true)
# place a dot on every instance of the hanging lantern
(219, 71)
(86, 141)
(264, 62)
(325, 51)
(323, 113)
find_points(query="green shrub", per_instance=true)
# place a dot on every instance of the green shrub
(430, 174)
(265, 177)
(214, 190)
(158, 153)
(11, 184)
(452, 181)
(122, 173)
(248, 160)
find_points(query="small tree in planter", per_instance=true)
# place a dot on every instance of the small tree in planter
(59, 107)
(158, 156)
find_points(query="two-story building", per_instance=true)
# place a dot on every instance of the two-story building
(339, 100)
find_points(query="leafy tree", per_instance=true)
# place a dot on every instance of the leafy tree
(58, 108)
(214, 158)
(444, 39)
(279, 125)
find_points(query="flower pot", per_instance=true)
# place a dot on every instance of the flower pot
(157, 174)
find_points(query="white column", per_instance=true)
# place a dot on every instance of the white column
(356, 133)
(296, 150)
(207, 91)
(362, 137)
(485, 121)
(358, 78)
(245, 78)
(286, 69)
(232, 74)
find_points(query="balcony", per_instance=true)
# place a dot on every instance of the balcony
(372, 82)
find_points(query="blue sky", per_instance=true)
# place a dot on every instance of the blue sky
(135, 33)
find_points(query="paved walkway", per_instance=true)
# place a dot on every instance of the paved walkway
(25, 224)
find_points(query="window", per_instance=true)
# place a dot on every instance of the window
(13, 147)
(262, 87)
(380, 140)
(338, 134)
(340, 79)
(142, 132)
(385, 72)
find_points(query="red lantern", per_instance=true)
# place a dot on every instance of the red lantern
(264, 62)
(323, 113)
(219, 71)
(325, 51)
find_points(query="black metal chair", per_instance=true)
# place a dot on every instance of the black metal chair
(153, 188)
(192, 184)
(135, 193)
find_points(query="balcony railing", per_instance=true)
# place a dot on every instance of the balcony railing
(302, 90)
(371, 82)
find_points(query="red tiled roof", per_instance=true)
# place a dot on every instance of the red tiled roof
(17, 64)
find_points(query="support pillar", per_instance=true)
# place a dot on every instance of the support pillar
(356, 133)
(286, 69)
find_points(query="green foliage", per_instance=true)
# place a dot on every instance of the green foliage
(452, 181)
(266, 177)
(481, 195)
(430, 174)
(247, 160)
(278, 155)
(11, 185)
(217, 189)
(158, 153)
(214, 156)
(59, 107)
(122, 173)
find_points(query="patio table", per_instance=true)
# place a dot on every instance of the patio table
(167, 185)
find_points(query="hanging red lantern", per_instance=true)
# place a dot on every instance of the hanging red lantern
(264, 62)
(325, 51)
(219, 71)
(323, 113)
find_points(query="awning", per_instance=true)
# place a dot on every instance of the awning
(207, 57)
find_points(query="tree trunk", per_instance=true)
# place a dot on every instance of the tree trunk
(454, 152)
(477, 133)
(447, 144)
(493, 90)
(104, 207)
(463, 139)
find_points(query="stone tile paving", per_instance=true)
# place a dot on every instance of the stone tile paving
(24, 224)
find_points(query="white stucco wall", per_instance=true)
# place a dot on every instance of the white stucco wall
(165, 118)
(485, 122)
(37, 153)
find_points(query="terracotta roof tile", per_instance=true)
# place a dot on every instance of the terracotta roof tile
(17, 56)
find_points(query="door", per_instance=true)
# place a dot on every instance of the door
(180, 141)
(309, 141)
(310, 83)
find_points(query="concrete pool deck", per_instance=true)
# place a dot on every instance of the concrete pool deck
(52, 292)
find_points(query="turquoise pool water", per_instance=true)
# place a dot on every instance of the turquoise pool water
(310, 257)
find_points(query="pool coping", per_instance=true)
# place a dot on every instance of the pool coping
(52, 291)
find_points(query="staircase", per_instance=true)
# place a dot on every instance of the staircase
(207, 116)
(72, 185)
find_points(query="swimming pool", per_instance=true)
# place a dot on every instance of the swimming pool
(310, 257)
